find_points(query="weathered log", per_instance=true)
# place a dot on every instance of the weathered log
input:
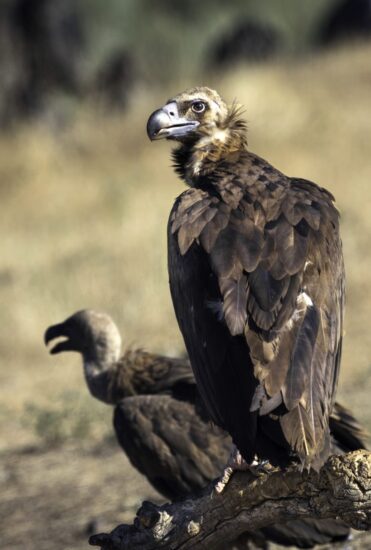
(342, 489)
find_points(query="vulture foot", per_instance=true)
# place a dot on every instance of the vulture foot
(237, 463)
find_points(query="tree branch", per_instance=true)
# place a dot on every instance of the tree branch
(342, 489)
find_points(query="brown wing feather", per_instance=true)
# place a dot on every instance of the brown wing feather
(277, 242)
(168, 442)
(234, 303)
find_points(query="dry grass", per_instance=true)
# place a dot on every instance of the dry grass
(84, 213)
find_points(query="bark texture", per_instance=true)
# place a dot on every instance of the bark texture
(342, 489)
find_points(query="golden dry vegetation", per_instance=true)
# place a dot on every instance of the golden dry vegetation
(83, 224)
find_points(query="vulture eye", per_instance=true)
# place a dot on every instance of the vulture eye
(198, 107)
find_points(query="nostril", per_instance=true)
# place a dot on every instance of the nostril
(171, 113)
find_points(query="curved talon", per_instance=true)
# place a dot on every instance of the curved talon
(237, 463)
(223, 481)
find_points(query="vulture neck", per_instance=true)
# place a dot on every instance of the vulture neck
(114, 379)
(196, 160)
(99, 369)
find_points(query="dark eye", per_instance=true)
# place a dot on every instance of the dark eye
(198, 107)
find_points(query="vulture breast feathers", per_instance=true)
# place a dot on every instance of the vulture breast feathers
(257, 281)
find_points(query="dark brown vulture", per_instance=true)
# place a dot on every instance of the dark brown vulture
(257, 281)
(160, 422)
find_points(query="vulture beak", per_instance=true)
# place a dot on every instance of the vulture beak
(166, 123)
(58, 331)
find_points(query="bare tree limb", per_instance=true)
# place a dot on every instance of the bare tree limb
(342, 489)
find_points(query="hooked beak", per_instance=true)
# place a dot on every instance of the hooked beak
(58, 331)
(166, 123)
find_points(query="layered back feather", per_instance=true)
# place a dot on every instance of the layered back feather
(273, 244)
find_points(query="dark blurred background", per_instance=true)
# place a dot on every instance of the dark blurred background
(74, 50)
(85, 199)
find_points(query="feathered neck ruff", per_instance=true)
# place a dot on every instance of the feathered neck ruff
(214, 143)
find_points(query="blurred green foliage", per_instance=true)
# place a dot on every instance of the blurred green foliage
(169, 38)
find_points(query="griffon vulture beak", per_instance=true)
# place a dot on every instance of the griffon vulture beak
(58, 331)
(166, 123)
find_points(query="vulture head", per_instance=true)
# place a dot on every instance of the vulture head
(88, 332)
(189, 115)
(206, 128)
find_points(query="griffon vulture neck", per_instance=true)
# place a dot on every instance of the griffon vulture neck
(100, 365)
(202, 157)
(137, 373)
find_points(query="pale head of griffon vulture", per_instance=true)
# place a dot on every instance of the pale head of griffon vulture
(96, 337)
